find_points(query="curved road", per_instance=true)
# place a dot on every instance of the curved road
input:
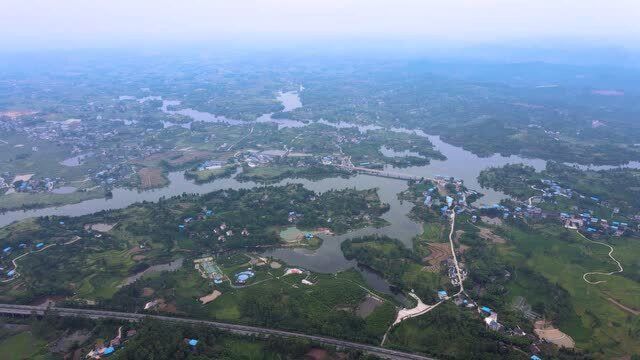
(620, 269)
(238, 329)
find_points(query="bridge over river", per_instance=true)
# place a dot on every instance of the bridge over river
(383, 173)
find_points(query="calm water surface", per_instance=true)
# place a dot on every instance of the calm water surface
(460, 164)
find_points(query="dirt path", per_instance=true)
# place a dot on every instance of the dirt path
(624, 307)
(585, 275)
(239, 141)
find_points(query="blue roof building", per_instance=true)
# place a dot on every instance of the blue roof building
(39, 245)
(486, 309)
(193, 342)
(7, 249)
(535, 357)
(243, 276)
(449, 200)
(109, 350)
(10, 273)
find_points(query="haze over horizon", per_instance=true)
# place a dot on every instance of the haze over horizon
(71, 24)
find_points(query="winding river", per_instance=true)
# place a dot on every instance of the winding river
(459, 163)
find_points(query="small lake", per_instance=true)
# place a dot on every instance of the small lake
(290, 100)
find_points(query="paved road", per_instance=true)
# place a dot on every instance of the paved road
(453, 253)
(239, 329)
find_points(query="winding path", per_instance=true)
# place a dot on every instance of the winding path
(15, 263)
(620, 269)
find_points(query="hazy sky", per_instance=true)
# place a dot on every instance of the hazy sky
(98, 23)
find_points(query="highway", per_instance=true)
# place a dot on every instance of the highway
(11, 309)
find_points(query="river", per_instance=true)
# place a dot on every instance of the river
(459, 163)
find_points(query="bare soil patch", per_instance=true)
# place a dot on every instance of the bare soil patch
(546, 331)
(151, 178)
(99, 227)
(491, 220)
(487, 234)
(173, 158)
(13, 114)
(209, 298)
(367, 306)
(147, 291)
(188, 157)
(67, 341)
(317, 354)
(439, 252)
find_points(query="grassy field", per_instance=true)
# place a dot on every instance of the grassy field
(562, 257)
(20, 200)
(449, 332)
(270, 173)
(22, 346)
(212, 174)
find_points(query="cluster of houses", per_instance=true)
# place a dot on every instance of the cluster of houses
(336, 160)
(106, 349)
(33, 185)
(254, 159)
(210, 165)
(552, 188)
(452, 272)
(84, 136)
(4, 184)
(222, 232)
(6, 255)
(591, 224)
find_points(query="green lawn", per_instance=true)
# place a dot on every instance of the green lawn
(22, 346)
